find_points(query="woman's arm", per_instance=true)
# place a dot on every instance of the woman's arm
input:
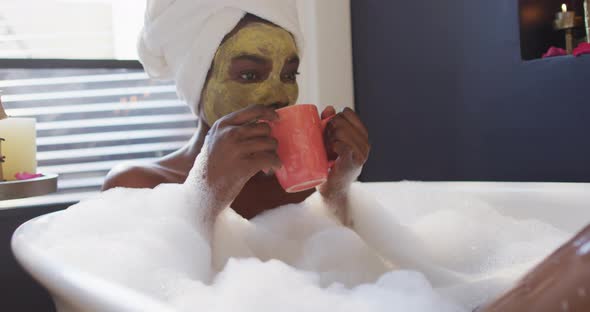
(347, 138)
(132, 177)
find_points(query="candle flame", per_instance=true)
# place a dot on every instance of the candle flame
(564, 8)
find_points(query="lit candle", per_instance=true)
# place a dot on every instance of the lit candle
(565, 21)
(565, 18)
(18, 148)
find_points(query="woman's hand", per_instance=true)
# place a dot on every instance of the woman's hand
(347, 140)
(237, 147)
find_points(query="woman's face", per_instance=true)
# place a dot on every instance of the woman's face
(257, 65)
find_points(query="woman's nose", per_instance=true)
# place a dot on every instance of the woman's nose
(275, 95)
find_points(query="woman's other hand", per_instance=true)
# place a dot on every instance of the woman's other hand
(347, 141)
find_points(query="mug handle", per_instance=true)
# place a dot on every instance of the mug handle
(324, 123)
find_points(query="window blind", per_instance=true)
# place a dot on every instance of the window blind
(89, 120)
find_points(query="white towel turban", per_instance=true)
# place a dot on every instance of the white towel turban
(180, 37)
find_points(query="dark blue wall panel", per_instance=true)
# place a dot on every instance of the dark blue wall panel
(446, 96)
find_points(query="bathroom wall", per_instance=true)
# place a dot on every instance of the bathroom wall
(446, 95)
(326, 68)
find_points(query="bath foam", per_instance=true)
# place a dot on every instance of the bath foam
(305, 236)
(130, 237)
(251, 285)
(426, 252)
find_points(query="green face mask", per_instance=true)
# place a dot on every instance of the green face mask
(257, 65)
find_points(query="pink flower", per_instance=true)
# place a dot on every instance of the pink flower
(555, 51)
(27, 176)
(583, 48)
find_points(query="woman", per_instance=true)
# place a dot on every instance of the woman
(256, 62)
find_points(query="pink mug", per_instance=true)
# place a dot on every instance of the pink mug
(300, 134)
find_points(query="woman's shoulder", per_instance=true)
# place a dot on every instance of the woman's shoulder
(135, 176)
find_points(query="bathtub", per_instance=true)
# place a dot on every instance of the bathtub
(564, 205)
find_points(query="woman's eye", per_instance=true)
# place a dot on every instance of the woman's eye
(248, 76)
(291, 76)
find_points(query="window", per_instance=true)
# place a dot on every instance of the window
(70, 29)
(75, 70)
